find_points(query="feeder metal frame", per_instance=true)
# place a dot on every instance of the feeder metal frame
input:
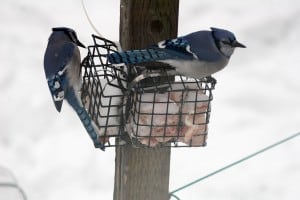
(117, 113)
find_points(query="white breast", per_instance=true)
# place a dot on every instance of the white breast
(195, 68)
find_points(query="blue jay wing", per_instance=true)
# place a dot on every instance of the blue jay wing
(195, 46)
(56, 60)
(178, 48)
(57, 88)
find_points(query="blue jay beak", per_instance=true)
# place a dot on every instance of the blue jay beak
(237, 44)
(80, 44)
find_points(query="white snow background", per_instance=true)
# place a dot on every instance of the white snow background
(256, 103)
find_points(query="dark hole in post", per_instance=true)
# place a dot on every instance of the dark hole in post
(156, 26)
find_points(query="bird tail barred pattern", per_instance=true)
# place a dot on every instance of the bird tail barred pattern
(90, 128)
(138, 56)
(84, 117)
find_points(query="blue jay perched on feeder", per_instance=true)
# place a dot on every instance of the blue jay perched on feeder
(62, 69)
(195, 55)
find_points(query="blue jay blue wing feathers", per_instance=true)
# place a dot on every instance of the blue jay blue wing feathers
(57, 88)
(178, 48)
(55, 66)
(198, 45)
(167, 49)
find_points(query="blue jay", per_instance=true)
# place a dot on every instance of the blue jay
(62, 69)
(195, 55)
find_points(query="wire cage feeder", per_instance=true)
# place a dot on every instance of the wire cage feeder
(144, 106)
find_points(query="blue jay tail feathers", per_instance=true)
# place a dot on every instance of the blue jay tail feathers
(84, 117)
(138, 56)
(86, 121)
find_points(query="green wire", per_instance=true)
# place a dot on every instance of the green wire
(173, 195)
(233, 164)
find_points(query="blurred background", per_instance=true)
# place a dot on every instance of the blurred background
(256, 103)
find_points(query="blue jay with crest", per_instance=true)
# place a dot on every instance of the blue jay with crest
(195, 55)
(62, 69)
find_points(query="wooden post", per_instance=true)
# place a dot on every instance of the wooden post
(143, 174)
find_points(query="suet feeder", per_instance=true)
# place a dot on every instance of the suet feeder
(142, 105)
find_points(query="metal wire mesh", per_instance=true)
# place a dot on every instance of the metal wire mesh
(146, 106)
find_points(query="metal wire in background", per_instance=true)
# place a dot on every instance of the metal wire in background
(233, 164)
(13, 185)
(172, 194)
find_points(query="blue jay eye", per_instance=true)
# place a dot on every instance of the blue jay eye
(73, 37)
(226, 42)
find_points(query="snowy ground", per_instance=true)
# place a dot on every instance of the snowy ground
(257, 102)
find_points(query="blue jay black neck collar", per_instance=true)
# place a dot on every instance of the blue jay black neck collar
(216, 42)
